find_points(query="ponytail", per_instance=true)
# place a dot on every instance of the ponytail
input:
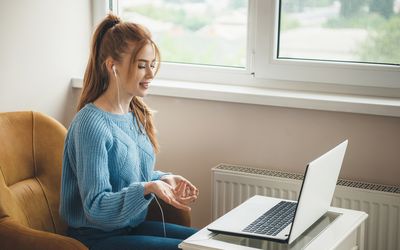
(95, 80)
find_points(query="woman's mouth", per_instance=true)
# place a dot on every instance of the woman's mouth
(144, 85)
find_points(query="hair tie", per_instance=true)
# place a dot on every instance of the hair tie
(108, 25)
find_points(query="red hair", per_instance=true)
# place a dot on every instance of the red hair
(112, 38)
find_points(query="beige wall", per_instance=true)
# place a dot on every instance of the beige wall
(43, 44)
(196, 135)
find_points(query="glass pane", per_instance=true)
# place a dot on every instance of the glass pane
(194, 31)
(340, 30)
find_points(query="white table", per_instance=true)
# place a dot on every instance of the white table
(338, 229)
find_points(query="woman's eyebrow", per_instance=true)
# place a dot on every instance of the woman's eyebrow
(144, 60)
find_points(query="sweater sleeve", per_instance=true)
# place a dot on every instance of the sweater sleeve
(101, 205)
(157, 175)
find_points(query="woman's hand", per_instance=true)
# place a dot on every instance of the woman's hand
(185, 191)
(166, 192)
(174, 190)
(182, 194)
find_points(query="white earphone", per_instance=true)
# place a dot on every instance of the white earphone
(114, 70)
(116, 78)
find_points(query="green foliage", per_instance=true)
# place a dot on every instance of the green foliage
(299, 5)
(359, 20)
(288, 23)
(191, 46)
(317, 3)
(182, 1)
(384, 44)
(208, 51)
(364, 14)
(350, 7)
(195, 23)
(238, 4)
(176, 16)
(383, 7)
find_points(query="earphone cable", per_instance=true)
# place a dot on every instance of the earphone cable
(158, 203)
(117, 80)
(141, 172)
(162, 215)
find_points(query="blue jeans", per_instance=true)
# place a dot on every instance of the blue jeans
(147, 235)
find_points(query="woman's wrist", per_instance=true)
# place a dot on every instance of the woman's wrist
(148, 187)
(162, 177)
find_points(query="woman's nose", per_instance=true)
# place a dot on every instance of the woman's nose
(149, 72)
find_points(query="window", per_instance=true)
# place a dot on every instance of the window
(362, 31)
(313, 42)
(322, 45)
(194, 31)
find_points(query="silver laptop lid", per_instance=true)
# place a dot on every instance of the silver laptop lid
(317, 189)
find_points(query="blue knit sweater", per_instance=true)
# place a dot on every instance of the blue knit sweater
(107, 161)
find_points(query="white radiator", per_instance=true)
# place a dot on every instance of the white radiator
(234, 184)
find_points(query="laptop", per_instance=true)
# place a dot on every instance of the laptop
(285, 220)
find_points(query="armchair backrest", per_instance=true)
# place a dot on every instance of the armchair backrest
(31, 147)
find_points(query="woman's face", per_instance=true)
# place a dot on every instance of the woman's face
(141, 72)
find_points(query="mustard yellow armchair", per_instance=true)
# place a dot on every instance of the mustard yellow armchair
(31, 147)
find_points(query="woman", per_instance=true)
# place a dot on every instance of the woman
(108, 176)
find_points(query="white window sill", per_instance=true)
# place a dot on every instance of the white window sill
(273, 97)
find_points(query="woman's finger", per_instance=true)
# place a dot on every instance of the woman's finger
(187, 200)
(179, 205)
(193, 188)
(180, 189)
(191, 191)
(164, 196)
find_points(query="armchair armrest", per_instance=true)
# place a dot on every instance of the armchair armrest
(171, 214)
(16, 236)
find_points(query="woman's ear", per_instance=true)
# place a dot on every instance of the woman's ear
(109, 65)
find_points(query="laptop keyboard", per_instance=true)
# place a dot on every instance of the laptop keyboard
(274, 220)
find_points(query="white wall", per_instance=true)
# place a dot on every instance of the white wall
(43, 43)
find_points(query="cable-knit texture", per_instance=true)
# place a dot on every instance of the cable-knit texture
(107, 161)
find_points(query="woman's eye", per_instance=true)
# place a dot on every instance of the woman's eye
(143, 66)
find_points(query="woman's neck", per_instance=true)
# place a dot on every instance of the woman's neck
(109, 102)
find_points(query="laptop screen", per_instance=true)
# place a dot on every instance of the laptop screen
(317, 189)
